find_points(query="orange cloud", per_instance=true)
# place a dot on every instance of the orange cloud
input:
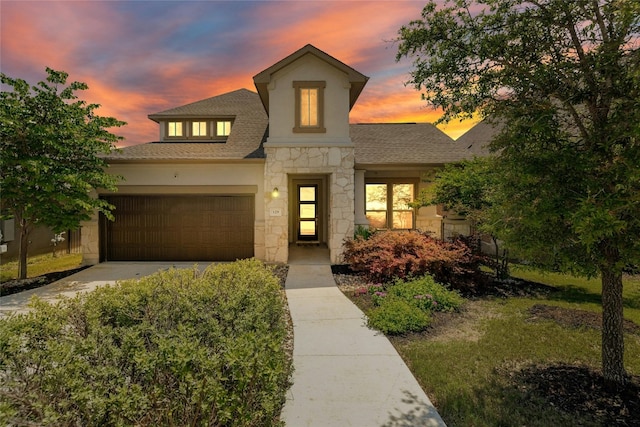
(138, 60)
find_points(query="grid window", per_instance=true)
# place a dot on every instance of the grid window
(308, 107)
(198, 128)
(174, 129)
(387, 205)
(223, 128)
(309, 101)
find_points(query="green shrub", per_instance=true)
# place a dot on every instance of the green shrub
(362, 232)
(426, 294)
(395, 316)
(388, 255)
(174, 348)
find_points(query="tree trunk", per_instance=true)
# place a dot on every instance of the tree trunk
(24, 246)
(612, 327)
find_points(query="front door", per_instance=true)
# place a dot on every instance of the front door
(308, 212)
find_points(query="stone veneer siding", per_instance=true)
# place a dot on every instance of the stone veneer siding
(90, 240)
(337, 163)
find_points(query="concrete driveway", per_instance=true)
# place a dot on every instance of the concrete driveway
(87, 280)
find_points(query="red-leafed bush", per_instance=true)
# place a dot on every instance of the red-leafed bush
(388, 255)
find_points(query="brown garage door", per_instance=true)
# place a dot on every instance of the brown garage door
(179, 228)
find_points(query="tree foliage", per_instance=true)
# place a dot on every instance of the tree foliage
(464, 188)
(468, 188)
(50, 143)
(563, 80)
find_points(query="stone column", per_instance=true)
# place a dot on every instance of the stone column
(90, 240)
(360, 214)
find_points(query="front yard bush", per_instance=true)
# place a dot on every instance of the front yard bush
(174, 348)
(403, 307)
(385, 256)
(427, 294)
(395, 316)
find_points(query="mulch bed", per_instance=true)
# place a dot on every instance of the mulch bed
(485, 285)
(580, 390)
(574, 318)
(17, 285)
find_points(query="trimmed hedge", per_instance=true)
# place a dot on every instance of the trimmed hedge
(174, 348)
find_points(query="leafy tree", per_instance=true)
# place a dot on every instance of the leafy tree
(49, 146)
(563, 80)
(467, 188)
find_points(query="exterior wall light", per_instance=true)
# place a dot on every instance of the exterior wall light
(275, 193)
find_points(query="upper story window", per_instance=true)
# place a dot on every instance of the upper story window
(223, 128)
(199, 129)
(309, 116)
(175, 129)
(387, 205)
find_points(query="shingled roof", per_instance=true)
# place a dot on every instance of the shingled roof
(477, 139)
(375, 144)
(245, 141)
(404, 143)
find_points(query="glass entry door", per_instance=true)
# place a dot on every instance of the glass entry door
(307, 212)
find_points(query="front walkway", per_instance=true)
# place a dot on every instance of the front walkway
(345, 374)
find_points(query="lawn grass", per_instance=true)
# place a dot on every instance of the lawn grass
(584, 293)
(41, 264)
(478, 380)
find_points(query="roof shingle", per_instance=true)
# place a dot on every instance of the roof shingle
(375, 144)
(245, 141)
(404, 143)
(477, 139)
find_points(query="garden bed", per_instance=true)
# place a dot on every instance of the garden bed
(575, 390)
(18, 285)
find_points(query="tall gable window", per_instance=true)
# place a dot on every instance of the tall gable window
(199, 129)
(223, 128)
(309, 116)
(175, 129)
(308, 107)
(387, 205)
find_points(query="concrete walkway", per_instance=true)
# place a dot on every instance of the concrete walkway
(345, 373)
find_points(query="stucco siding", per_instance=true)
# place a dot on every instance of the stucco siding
(282, 105)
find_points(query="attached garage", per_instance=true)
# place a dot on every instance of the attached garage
(179, 228)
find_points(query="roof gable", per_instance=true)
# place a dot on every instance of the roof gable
(262, 79)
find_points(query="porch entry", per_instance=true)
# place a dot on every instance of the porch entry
(308, 216)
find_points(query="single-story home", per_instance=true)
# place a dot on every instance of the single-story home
(247, 174)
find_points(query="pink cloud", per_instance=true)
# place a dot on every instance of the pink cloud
(140, 60)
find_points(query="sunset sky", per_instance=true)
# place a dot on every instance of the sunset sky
(142, 57)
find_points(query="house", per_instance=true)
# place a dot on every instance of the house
(246, 174)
